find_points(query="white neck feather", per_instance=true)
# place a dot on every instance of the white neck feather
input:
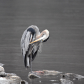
(44, 35)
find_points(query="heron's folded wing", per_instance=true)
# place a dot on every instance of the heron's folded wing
(25, 40)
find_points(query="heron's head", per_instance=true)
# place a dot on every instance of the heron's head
(42, 37)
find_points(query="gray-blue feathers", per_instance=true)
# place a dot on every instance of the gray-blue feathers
(28, 49)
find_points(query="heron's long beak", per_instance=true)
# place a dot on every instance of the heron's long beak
(35, 41)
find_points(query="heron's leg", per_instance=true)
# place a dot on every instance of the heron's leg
(31, 62)
(27, 61)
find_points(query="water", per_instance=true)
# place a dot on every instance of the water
(63, 52)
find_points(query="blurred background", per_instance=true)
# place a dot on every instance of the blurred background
(64, 51)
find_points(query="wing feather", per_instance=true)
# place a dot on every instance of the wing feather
(25, 40)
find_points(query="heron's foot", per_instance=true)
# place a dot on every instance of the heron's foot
(27, 67)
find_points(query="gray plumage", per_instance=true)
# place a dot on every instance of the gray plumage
(30, 43)
(28, 37)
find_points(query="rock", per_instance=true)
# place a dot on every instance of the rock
(51, 72)
(66, 81)
(39, 74)
(4, 80)
(1, 64)
(33, 75)
(14, 80)
(11, 80)
(3, 74)
(23, 82)
(2, 69)
(8, 78)
(63, 78)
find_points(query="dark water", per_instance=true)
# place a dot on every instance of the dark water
(63, 52)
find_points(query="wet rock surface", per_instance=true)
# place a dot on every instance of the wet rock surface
(59, 77)
(52, 76)
(9, 78)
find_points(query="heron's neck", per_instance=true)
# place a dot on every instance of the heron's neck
(45, 32)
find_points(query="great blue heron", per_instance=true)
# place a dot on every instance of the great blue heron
(30, 43)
